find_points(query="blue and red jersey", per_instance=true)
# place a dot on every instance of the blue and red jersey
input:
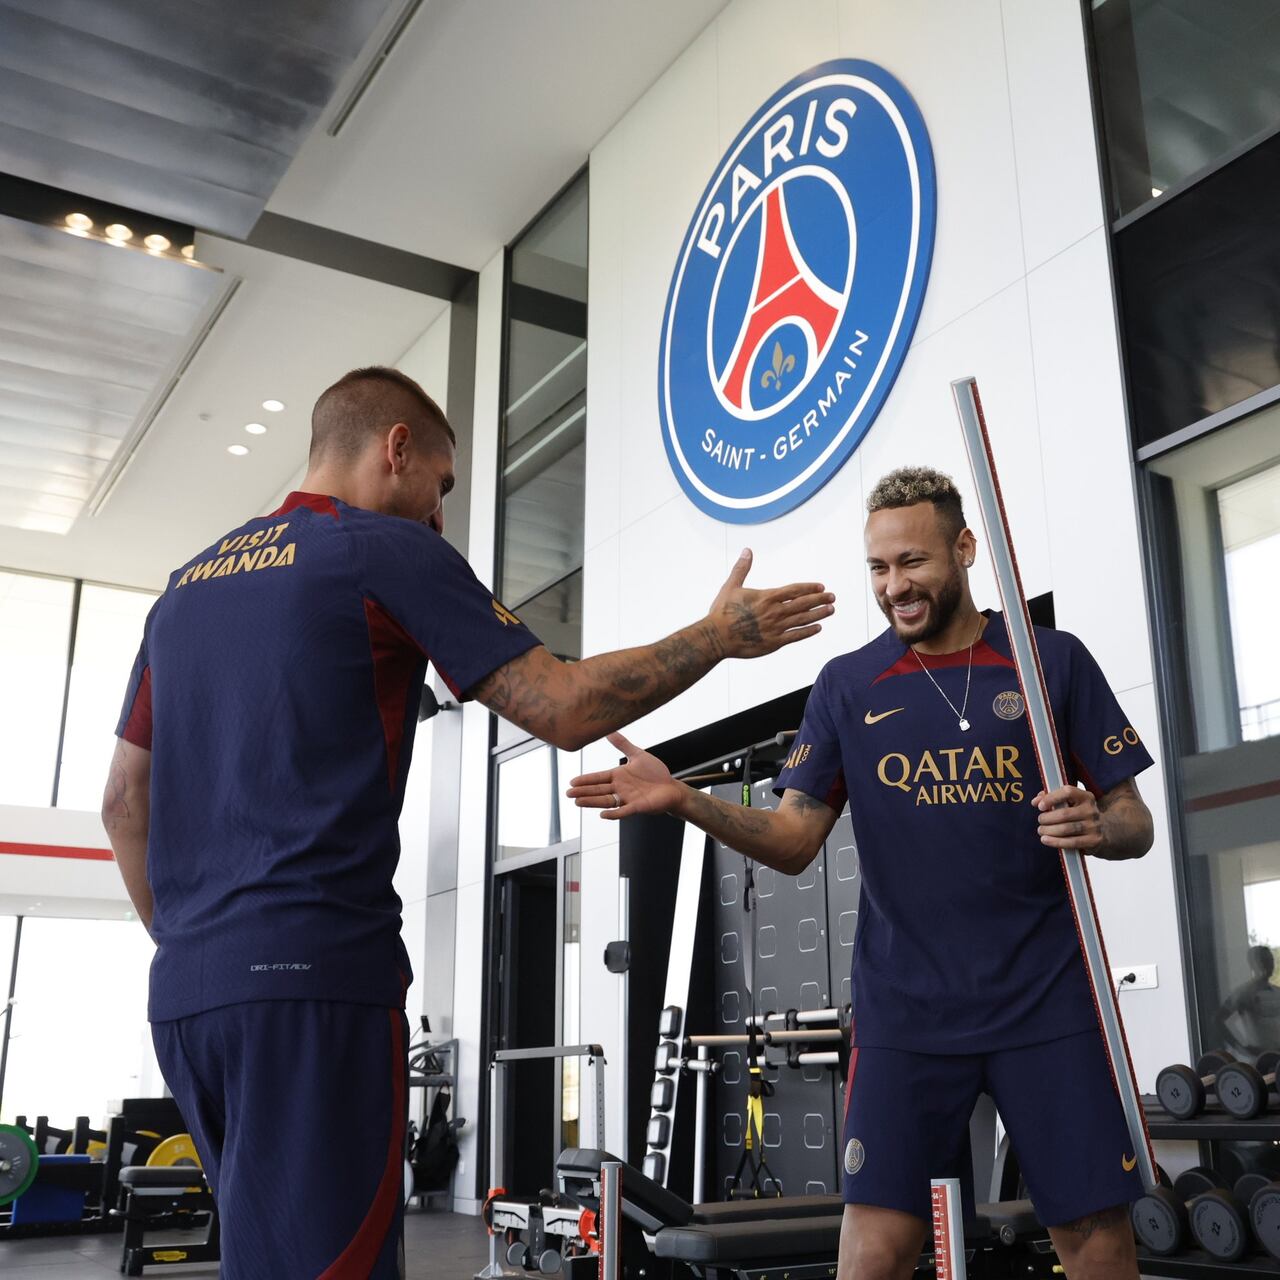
(277, 687)
(965, 941)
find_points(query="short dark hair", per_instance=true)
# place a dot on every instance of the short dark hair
(909, 485)
(368, 400)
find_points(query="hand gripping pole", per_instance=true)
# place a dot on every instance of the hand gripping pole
(1049, 756)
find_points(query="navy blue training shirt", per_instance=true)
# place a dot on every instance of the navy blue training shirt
(277, 688)
(965, 942)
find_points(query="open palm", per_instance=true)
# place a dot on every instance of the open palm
(643, 785)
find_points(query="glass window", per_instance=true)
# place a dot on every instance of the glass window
(533, 811)
(35, 621)
(1183, 85)
(544, 424)
(76, 1045)
(1216, 506)
(108, 632)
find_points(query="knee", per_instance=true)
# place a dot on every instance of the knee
(877, 1259)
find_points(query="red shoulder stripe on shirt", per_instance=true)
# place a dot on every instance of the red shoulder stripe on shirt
(983, 656)
(314, 501)
(137, 728)
(396, 657)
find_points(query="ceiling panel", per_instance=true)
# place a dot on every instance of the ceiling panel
(191, 112)
(89, 333)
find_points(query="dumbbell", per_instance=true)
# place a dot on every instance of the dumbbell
(1245, 1091)
(1220, 1219)
(1182, 1091)
(1161, 1217)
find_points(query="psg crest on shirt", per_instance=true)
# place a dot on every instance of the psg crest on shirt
(796, 291)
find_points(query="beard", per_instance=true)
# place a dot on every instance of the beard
(941, 607)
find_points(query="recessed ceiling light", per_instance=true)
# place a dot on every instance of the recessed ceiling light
(273, 406)
(118, 231)
(188, 251)
(238, 450)
(157, 242)
(255, 428)
(79, 222)
(1157, 191)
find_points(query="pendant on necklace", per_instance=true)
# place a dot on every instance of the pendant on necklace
(964, 724)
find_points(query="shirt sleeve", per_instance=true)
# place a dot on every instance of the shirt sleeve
(134, 724)
(431, 591)
(1099, 743)
(815, 765)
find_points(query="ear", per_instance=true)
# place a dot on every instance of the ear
(966, 547)
(399, 443)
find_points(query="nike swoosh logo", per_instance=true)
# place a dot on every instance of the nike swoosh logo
(870, 719)
(1129, 1162)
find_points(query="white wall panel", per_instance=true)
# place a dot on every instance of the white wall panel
(1098, 585)
(1058, 191)
(949, 57)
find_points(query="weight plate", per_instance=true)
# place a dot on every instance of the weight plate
(178, 1150)
(1180, 1092)
(1247, 1185)
(1196, 1181)
(18, 1160)
(1210, 1063)
(1160, 1221)
(1264, 1209)
(1219, 1226)
(1267, 1062)
(1241, 1091)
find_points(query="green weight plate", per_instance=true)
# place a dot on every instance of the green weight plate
(18, 1161)
(1210, 1063)
(1264, 1209)
(1160, 1221)
(1196, 1181)
(1219, 1226)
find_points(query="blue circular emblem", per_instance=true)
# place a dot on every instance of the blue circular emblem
(796, 291)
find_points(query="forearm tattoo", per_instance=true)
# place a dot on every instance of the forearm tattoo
(1126, 824)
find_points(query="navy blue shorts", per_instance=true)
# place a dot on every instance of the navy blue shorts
(907, 1121)
(298, 1110)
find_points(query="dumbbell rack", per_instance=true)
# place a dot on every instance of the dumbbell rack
(1213, 1125)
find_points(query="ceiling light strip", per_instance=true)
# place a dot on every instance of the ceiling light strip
(125, 455)
(374, 65)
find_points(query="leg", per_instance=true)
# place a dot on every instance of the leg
(906, 1121)
(879, 1244)
(1059, 1103)
(1098, 1246)
(190, 1061)
(313, 1162)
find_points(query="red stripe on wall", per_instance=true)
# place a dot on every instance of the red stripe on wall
(1241, 795)
(57, 851)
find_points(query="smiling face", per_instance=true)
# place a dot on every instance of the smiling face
(918, 573)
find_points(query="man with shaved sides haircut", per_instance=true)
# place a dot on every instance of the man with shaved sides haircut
(967, 971)
(254, 796)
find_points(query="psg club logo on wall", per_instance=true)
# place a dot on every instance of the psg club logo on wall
(796, 291)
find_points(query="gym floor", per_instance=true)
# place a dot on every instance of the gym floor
(438, 1246)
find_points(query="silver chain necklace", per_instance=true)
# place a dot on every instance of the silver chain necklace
(964, 724)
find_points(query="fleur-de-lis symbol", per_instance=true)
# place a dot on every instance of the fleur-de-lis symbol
(781, 364)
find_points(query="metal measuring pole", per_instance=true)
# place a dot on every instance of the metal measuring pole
(610, 1220)
(1044, 738)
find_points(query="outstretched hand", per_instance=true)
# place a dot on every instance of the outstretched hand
(643, 785)
(755, 622)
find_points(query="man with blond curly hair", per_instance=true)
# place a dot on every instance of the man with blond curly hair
(967, 971)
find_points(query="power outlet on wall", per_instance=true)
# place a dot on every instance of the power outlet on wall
(1144, 977)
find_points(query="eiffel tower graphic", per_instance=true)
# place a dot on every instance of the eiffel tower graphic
(786, 288)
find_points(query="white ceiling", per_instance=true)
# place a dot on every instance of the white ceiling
(482, 112)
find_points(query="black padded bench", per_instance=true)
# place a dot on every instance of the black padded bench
(742, 1237)
(154, 1198)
